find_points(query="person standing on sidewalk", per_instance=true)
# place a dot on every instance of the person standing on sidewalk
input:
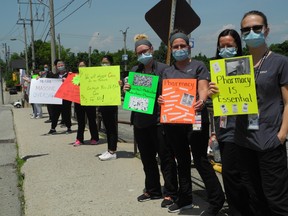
(229, 45)
(110, 120)
(81, 112)
(65, 107)
(149, 134)
(44, 74)
(262, 146)
(181, 136)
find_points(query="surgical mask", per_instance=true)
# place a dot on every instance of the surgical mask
(180, 55)
(145, 58)
(45, 69)
(61, 68)
(228, 52)
(254, 39)
(105, 64)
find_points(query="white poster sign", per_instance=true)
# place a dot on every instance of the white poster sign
(42, 91)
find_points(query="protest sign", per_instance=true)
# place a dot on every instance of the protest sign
(235, 80)
(42, 91)
(99, 86)
(141, 97)
(179, 96)
(69, 90)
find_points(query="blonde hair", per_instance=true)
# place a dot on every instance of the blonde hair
(139, 37)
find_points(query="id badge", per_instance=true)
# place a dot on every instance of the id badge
(223, 122)
(198, 122)
(253, 122)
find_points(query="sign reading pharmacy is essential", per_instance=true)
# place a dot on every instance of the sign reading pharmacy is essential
(43, 90)
(236, 82)
(99, 86)
(142, 94)
(179, 96)
(69, 90)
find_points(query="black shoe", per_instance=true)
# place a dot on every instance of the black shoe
(68, 131)
(145, 197)
(175, 207)
(167, 201)
(48, 121)
(52, 131)
(210, 211)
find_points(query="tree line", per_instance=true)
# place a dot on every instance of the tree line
(43, 56)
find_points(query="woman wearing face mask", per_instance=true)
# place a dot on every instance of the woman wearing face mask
(229, 45)
(110, 120)
(262, 148)
(181, 136)
(149, 135)
(81, 112)
(65, 107)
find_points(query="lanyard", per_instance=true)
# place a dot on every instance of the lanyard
(257, 72)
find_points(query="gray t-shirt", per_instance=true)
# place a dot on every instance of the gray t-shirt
(273, 74)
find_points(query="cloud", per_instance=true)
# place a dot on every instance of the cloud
(98, 42)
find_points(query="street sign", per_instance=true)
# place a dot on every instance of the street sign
(159, 18)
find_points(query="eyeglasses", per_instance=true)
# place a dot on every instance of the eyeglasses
(181, 46)
(256, 28)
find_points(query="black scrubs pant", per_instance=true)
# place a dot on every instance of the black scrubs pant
(178, 143)
(110, 120)
(147, 141)
(90, 112)
(266, 178)
(65, 109)
(236, 194)
(199, 143)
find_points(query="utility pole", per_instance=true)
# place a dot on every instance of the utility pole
(32, 35)
(89, 56)
(52, 32)
(125, 56)
(59, 46)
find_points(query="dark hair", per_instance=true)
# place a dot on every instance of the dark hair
(233, 33)
(258, 13)
(56, 61)
(109, 57)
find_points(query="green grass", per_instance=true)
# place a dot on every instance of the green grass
(19, 163)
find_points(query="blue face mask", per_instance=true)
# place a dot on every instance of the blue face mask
(228, 52)
(254, 40)
(145, 58)
(180, 55)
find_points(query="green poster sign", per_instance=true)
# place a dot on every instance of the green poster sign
(235, 80)
(142, 95)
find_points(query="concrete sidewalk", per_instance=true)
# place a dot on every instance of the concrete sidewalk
(62, 180)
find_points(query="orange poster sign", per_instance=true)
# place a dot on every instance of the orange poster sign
(69, 90)
(179, 96)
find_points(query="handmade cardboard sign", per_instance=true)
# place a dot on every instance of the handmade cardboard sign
(142, 95)
(235, 80)
(69, 90)
(43, 90)
(179, 96)
(99, 86)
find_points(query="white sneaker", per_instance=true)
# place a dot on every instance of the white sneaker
(104, 153)
(108, 156)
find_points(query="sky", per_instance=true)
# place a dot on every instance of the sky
(101, 23)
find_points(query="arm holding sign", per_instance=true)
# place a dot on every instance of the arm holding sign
(203, 94)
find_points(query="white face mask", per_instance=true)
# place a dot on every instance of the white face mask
(105, 64)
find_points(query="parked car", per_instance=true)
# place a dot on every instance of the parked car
(13, 91)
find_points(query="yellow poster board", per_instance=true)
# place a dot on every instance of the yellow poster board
(99, 86)
(236, 82)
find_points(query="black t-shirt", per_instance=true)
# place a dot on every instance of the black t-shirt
(142, 120)
(272, 76)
